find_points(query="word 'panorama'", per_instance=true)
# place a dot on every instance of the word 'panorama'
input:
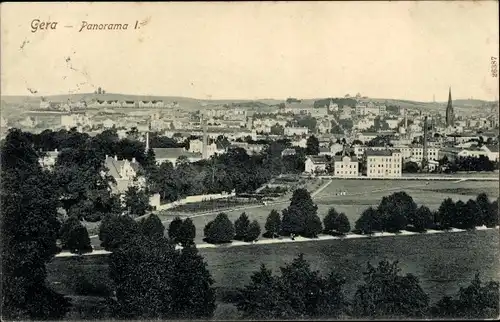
(37, 24)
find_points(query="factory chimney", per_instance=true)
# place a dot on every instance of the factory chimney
(424, 157)
(205, 137)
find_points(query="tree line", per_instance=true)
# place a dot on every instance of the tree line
(398, 212)
(384, 293)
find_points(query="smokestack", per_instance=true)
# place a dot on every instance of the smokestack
(205, 137)
(406, 119)
(424, 157)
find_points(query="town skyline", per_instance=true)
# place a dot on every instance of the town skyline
(249, 51)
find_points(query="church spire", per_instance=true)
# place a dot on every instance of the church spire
(450, 117)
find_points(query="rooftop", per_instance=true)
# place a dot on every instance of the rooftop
(381, 153)
(174, 153)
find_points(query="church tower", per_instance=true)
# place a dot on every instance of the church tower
(450, 117)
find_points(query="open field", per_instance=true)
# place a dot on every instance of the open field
(443, 263)
(363, 194)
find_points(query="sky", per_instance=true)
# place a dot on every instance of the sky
(404, 50)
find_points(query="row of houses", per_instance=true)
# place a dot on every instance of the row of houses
(49, 105)
(379, 164)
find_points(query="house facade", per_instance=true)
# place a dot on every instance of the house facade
(345, 166)
(315, 164)
(383, 163)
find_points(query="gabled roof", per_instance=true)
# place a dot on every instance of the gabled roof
(339, 158)
(492, 148)
(318, 159)
(114, 166)
(381, 153)
(174, 153)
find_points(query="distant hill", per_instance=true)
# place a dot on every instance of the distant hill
(29, 102)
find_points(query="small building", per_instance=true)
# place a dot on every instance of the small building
(345, 166)
(315, 164)
(125, 173)
(491, 151)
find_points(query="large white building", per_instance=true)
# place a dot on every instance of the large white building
(383, 163)
(345, 166)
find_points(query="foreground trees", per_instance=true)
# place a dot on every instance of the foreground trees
(298, 292)
(386, 293)
(476, 301)
(28, 234)
(160, 282)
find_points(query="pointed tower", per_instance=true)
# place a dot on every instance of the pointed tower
(450, 117)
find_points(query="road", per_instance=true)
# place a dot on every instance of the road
(297, 239)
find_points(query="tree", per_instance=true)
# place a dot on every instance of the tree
(75, 237)
(329, 220)
(483, 202)
(386, 293)
(261, 298)
(294, 217)
(491, 219)
(336, 223)
(221, 230)
(475, 301)
(410, 167)
(241, 227)
(174, 230)
(136, 201)
(368, 222)
(422, 219)
(152, 226)
(395, 210)
(192, 286)
(28, 233)
(253, 231)
(115, 230)
(144, 284)
(472, 215)
(312, 145)
(446, 214)
(273, 224)
(341, 224)
(312, 226)
(298, 293)
(187, 233)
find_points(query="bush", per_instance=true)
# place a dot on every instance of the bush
(220, 230)
(336, 223)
